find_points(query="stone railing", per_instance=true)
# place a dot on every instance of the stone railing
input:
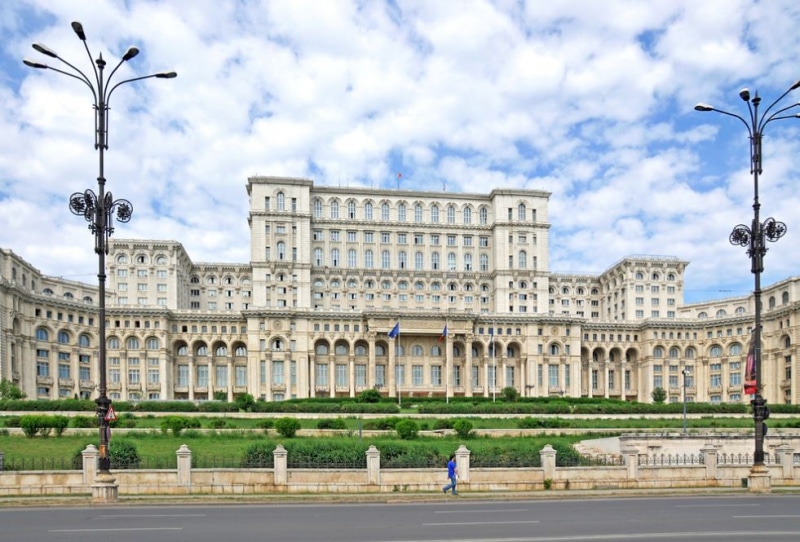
(635, 471)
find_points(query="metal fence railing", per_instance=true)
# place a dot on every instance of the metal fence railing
(665, 460)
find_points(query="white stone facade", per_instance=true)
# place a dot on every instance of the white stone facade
(333, 270)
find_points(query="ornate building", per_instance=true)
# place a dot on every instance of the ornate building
(462, 279)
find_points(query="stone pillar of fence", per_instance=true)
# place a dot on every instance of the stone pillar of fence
(89, 455)
(547, 455)
(373, 465)
(710, 461)
(184, 465)
(630, 457)
(281, 470)
(462, 463)
(786, 459)
(2, 461)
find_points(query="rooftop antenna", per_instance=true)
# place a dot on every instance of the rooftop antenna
(399, 176)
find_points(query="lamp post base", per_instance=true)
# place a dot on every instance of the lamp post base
(759, 480)
(105, 489)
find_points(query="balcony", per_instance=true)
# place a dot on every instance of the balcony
(66, 383)
(44, 380)
(87, 385)
(153, 386)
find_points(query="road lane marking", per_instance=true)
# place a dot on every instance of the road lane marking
(115, 530)
(715, 505)
(473, 511)
(479, 523)
(771, 516)
(137, 516)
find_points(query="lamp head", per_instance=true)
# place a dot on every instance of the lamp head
(166, 75)
(744, 94)
(703, 107)
(44, 50)
(34, 64)
(796, 85)
(130, 53)
(78, 29)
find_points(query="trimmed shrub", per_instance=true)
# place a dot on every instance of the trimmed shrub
(369, 396)
(265, 424)
(407, 429)
(287, 427)
(32, 425)
(176, 424)
(84, 422)
(245, 402)
(463, 428)
(331, 423)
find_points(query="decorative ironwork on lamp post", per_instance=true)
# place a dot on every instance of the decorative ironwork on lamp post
(755, 237)
(99, 208)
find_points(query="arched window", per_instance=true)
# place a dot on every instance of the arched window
(369, 259)
(386, 285)
(183, 350)
(468, 262)
(401, 212)
(483, 216)
(352, 258)
(113, 343)
(658, 352)
(639, 275)
(451, 261)
(419, 285)
(417, 213)
(361, 350)
(436, 351)
(281, 250)
(702, 316)
(785, 298)
(281, 201)
(335, 257)
(202, 350)
(385, 212)
(451, 214)
(522, 260)
(417, 351)
(419, 260)
(368, 211)
(63, 337)
(435, 264)
(133, 343)
(656, 276)
(721, 313)
(787, 342)
(84, 341)
(402, 259)
(521, 212)
(457, 351)
(380, 351)
(277, 345)
(322, 349)
(671, 277)
(42, 334)
(690, 353)
(739, 310)
(511, 352)
(467, 215)
(317, 256)
(554, 349)
(716, 351)
(351, 210)
(674, 352)
(317, 208)
(484, 265)
(122, 259)
(435, 214)
(771, 302)
(240, 352)
(221, 351)
(735, 349)
(386, 260)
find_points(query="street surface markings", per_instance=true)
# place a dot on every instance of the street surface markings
(715, 505)
(478, 523)
(772, 516)
(635, 536)
(473, 511)
(115, 530)
(138, 516)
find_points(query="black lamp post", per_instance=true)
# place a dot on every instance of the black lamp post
(98, 208)
(755, 237)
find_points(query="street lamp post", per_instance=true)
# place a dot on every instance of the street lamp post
(683, 372)
(754, 238)
(98, 208)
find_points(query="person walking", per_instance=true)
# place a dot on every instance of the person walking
(452, 475)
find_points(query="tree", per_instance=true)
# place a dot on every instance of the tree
(245, 402)
(510, 394)
(369, 396)
(9, 390)
(287, 427)
(659, 395)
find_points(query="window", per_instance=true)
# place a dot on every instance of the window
(385, 212)
(451, 214)
(368, 211)
(435, 214)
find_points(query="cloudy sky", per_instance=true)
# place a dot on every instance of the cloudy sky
(592, 101)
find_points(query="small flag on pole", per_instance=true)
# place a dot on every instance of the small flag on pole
(395, 331)
(443, 336)
(750, 387)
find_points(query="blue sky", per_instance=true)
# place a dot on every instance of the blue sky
(592, 101)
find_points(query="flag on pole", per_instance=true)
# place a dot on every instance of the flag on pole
(443, 336)
(750, 387)
(395, 331)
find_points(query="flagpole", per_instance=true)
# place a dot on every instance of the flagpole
(494, 366)
(446, 367)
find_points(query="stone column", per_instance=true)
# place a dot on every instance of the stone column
(351, 373)
(786, 458)
(710, 460)
(630, 456)
(231, 379)
(184, 465)
(462, 463)
(373, 465)
(280, 468)
(548, 459)
(191, 381)
(90, 455)
(466, 382)
(331, 376)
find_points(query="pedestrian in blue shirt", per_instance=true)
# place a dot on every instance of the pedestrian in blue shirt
(452, 475)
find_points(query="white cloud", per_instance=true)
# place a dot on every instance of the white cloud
(591, 101)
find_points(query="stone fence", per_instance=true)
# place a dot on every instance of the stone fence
(635, 471)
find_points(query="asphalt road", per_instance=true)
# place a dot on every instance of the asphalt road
(706, 518)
